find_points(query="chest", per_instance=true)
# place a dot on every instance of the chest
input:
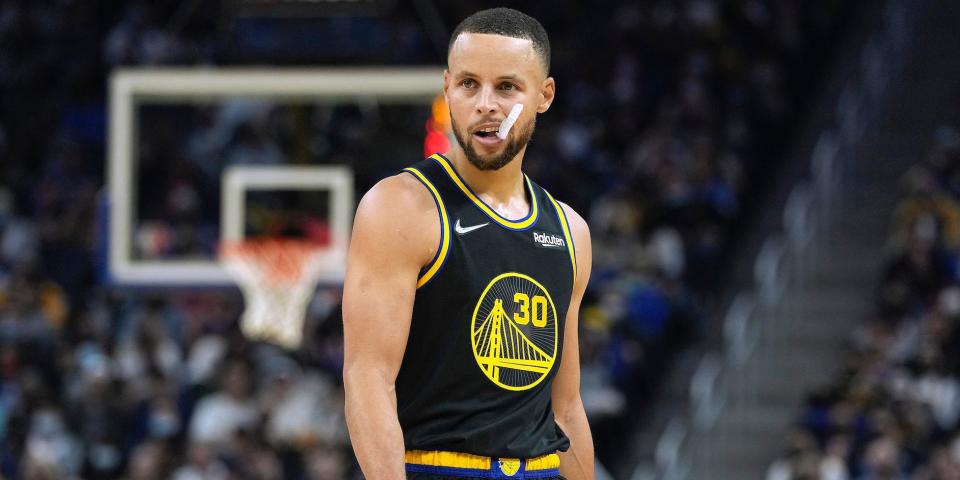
(481, 249)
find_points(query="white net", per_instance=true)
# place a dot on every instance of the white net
(277, 277)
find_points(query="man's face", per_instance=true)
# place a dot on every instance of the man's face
(487, 75)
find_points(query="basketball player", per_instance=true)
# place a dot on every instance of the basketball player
(464, 279)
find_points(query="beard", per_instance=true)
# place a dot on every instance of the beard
(516, 142)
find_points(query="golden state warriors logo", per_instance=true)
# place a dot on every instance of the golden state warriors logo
(514, 333)
(509, 466)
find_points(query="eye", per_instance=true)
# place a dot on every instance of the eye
(508, 86)
(468, 83)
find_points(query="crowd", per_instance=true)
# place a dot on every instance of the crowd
(893, 412)
(666, 120)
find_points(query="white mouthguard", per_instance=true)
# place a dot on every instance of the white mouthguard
(510, 120)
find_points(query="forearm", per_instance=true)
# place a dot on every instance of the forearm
(371, 412)
(577, 462)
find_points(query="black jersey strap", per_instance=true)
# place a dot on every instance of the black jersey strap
(562, 217)
(431, 269)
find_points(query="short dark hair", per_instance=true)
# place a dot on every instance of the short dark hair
(508, 23)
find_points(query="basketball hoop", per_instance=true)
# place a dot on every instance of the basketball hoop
(277, 277)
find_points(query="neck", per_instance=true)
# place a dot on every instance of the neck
(495, 187)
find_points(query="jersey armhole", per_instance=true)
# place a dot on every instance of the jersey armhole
(431, 269)
(571, 246)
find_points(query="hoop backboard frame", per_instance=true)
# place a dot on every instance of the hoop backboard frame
(169, 85)
(338, 180)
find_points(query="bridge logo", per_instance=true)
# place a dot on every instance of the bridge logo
(514, 332)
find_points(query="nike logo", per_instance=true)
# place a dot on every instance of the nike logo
(461, 230)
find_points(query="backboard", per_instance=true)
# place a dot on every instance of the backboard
(201, 156)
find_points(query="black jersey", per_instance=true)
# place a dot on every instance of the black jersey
(487, 329)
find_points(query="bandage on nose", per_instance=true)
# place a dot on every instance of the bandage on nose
(509, 121)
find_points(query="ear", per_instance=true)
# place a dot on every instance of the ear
(547, 91)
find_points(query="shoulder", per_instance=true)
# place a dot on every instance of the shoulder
(398, 215)
(578, 226)
(400, 200)
(399, 192)
(583, 248)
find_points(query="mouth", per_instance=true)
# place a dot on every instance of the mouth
(487, 134)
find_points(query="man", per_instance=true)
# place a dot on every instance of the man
(464, 279)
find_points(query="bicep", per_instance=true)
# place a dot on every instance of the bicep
(387, 249)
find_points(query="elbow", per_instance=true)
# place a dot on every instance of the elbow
(349, 375)
(352, 392)
(361, 383)
(568, 410)
(353, 380)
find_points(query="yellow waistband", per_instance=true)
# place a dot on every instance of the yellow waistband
(466, 460)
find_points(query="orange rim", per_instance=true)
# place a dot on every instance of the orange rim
(281, 259)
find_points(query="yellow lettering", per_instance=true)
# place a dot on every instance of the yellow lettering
(522, 317)
(522, 312)
(539, 311)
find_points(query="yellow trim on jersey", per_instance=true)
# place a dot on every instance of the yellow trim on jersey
(514, 224)
(566, 233)
(466, 460)
(437, 262)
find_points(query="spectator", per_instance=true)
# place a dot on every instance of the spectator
(201, 464)
(222, 414)
(149, 461)
(897, 406)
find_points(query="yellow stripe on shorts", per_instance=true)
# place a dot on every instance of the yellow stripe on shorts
(466, 460)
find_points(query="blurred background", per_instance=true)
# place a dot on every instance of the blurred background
(772, 188)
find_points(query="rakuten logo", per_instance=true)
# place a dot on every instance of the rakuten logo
(549, 240)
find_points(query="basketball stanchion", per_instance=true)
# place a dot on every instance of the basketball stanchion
(278, 277)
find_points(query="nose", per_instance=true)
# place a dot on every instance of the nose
(485, 102)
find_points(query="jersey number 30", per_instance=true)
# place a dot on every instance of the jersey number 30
(524, 304)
